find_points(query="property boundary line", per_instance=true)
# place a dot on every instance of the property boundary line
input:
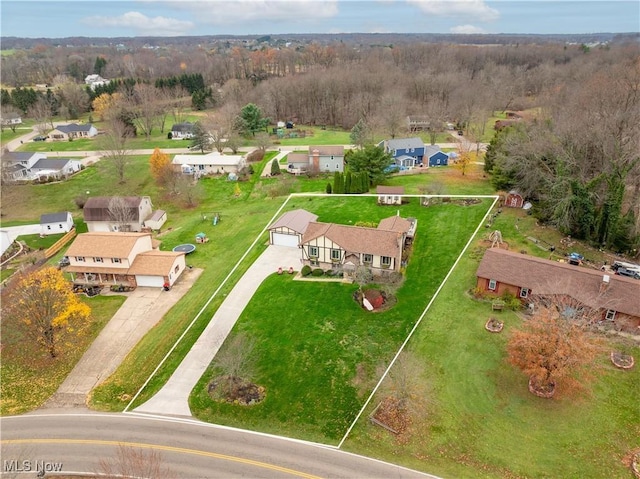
(424, 313)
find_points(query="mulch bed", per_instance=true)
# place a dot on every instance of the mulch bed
(235, 390)
(392, 415)
(542, 390)
(493, 325)
(621, 360)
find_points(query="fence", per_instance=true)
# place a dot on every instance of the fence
(58, 245)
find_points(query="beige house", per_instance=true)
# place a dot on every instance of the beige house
(390, 195)
(122, 258)
(341, 247)
(73, 131)
(117, 213)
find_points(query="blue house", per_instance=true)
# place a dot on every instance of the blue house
(406, 152)
(435, 156)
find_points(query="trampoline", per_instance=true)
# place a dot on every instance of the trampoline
(185, 248)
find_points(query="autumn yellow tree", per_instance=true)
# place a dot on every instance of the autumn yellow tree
(104, 103)
(43, 302)
(160, 165)
(464, 160)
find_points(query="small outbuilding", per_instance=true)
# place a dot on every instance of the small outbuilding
(289, 228)
(390, 195)
(156, 220)
(55, 223)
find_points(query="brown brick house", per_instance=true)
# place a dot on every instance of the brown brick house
(610, 297)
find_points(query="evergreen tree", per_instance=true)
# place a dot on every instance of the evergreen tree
(275, 168)
(328, 188)
(201, 139)
(347, 183)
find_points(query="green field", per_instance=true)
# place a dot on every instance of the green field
(310, 350)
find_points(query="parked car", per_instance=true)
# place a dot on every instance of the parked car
(460, 132)
(64, 262)
(40, 138)
(628, 272)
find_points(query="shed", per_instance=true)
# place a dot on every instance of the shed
(55, 223)
(289, 228)
(390, 195)
(156, 220)
(514, 200)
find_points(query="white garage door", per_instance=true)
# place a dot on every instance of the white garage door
(152, 281)
(285, 240)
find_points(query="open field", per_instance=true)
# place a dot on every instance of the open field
(309, 351)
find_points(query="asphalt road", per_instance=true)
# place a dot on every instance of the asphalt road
(77, 442)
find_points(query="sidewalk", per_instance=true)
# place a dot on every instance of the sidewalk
(173, 398)
(142, 310)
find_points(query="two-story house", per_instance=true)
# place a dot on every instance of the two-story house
(342, 247)
(117, 213)
(122, 258)
(406, 152)
(319, 159)
(16, 165)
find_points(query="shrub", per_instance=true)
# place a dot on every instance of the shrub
(306, 270)
(317, 272)
(329, 272)
(80, 201)
(328, 188)
(255, 156)
(511, 301)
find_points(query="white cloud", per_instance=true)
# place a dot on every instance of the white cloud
(455, 8)
(225, 12)
(157, 26)
(466, 29)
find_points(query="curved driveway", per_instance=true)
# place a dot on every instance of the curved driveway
(188, 448)
(173, 398)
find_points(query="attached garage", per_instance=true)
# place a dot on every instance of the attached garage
(282, 239)
(150, 281)
(289, 228)
(156, 268)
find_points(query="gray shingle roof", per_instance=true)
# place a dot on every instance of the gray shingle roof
(47, 164)
(405, 143)
(53, 218)
(73, 127)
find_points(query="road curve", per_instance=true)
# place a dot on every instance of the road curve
(190, 449)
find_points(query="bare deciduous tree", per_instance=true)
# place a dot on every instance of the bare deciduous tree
(122, 213)
(114, 144)
(132, 462)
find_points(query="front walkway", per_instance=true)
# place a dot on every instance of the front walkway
(173, 398)
(142, 310)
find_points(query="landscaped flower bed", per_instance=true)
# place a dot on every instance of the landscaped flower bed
(494, 325)
(621, 360)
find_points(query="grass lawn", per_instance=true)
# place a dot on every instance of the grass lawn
(482, 421)
(309, 351)
(29, 376)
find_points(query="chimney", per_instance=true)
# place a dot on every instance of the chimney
(605, 283)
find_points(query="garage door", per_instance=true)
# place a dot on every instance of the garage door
(285, 240)
(152, 281)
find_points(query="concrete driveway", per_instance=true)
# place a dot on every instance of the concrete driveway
(15, 231)
(143, 309)
(173, 398)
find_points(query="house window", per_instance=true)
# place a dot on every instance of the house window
(524, 293)
(385, 261)
(201, 167)
(314, 262)
(332, 157)
(80, 259)
(48, 227)
(177, 268)
(326, 165)
(611, 315)
(313, 251)
(60, 226)
(115, 260)
(335, 255)
(367, 258)
(492, 284)
(337, 166)
(97, 260)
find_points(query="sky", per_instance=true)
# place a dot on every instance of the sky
(127, 18)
